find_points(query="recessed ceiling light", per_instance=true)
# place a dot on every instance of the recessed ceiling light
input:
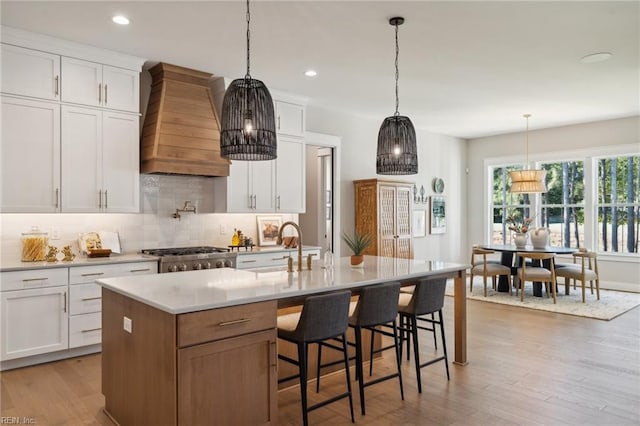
(120, 20)
(596, 57)
(310, 73)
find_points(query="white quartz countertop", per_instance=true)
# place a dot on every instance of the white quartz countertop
(192, 291)
(270, 249)
(14, 264)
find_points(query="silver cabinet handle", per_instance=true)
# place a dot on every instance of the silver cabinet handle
(100, 199)
(105, 94)
(232, 322)
(255, 201)
(92, 274)
(248, 261)
(278, 202)
(57, 79)
(140, 270)
(106, 192)
(278, 122)
(279, 258)
(91, 329)
(86, 299)
(26, 280)
(57, 198)
(99, 93)
(65, 301)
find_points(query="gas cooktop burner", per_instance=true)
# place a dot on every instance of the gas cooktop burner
(181, 251)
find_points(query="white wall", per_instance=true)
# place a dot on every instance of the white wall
(567, 141)
(438, 156)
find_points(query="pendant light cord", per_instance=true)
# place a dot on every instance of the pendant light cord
(248, 76)
(397, 72)
(527, 142)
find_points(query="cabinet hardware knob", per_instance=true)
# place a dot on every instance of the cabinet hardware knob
(232, 322)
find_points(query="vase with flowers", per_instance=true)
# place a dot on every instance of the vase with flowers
(519, 225)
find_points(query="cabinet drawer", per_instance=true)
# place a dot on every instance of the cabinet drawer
(33, 278)
(261, 260)
(85, 298)
(215, 324)
(88, 274)
(85, 329)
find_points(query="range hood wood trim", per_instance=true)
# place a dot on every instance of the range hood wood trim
(181, 132)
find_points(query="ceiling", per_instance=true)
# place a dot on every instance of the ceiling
(467, 69)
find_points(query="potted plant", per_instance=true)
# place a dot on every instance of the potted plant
(357, 243)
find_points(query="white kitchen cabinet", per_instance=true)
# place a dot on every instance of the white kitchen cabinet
(33, 322)
(29, 72)
(290, 176)
(94, 84)
(290, 119)
(250, 187)
(85, 329)
(30, 161)
(274, 258)
(99, 161)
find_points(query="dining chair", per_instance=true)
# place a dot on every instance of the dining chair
(487, 268)
(529, 272)
(586, 270)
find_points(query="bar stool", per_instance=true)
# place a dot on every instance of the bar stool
(376, 306)
(427, 298)
(322, 317)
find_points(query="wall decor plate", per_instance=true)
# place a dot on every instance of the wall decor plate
(438, 185)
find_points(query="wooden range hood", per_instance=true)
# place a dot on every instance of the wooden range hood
(181, 133)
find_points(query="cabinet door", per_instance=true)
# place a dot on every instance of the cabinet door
(403, 221)
(386, 220)
(121, 89)
(120, 163)
(289, 119)
(229, 382)
(81, 159)
(33, 322)
(30, 161)
(81, 82)
(239, 197)
(290, 176)
(29, 72)
(263, 185)
(85, 330)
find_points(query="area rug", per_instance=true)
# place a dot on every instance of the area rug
(610, 305)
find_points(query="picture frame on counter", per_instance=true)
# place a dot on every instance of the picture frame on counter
(438, 216)
(268, 227)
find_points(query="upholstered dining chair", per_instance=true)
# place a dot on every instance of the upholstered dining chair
(586, 270)
(529, 272)
(486, 268)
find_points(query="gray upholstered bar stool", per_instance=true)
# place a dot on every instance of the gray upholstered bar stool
(376, 306)
(322, 317)
(427, 298)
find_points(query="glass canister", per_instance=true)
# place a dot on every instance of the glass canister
(34, 245)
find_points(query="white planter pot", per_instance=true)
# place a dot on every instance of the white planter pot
(540, 238)
(520, 240)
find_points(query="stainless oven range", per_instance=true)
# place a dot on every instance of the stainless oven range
(192, 258)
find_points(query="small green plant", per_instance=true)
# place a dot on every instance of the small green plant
(357, 242)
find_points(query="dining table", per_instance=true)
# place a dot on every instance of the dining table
(507, 258)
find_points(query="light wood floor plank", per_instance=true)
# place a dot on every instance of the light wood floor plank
(525, 367)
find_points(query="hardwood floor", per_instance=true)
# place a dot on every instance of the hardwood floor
(525, 367)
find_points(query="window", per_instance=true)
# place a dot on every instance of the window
(562, 206)
(618, 204)
(504, 203)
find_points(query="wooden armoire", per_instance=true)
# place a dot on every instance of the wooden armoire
(383, 210)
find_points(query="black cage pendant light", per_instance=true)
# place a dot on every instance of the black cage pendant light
(397, 150)
(248, 128)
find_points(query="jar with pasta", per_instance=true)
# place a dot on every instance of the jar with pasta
(34, 245)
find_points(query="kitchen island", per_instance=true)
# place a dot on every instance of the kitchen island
(200, 347)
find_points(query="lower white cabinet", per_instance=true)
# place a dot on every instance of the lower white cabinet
(34, 322)
(85, 329)
(274, 258)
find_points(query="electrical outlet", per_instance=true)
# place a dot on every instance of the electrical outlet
(223, 229)
(127, 324)
(55, 233)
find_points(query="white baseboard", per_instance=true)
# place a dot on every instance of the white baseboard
(52, 356)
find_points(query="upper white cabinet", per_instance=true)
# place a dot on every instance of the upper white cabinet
(99, 161)
(290, 119)
(28, 72)
(30, 161)
(58, 155)
(269, 186)
(93, 84)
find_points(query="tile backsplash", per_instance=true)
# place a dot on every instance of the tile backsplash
(154, 227)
